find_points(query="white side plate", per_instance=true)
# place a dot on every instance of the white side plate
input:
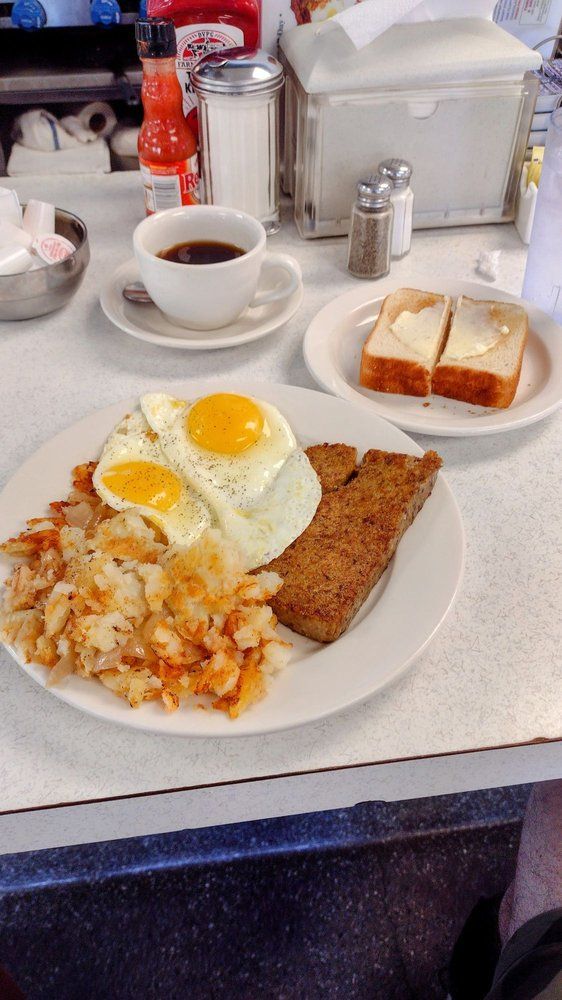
(335, 338)
(398, 620)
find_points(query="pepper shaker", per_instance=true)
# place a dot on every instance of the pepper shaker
(370, 233)
(402, 197)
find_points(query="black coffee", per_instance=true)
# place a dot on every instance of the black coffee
(201, 252)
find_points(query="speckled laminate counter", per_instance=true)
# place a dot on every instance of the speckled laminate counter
(491, 679)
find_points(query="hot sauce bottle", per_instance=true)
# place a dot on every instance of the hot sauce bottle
(167, 146)
(202, 26)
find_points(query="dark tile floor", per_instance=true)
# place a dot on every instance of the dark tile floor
(362, 904)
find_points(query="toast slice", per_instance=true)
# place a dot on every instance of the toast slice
(329, 571)
(401, 352)
(490, 377)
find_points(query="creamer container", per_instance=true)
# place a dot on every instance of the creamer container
(167, 146)
(203, 26)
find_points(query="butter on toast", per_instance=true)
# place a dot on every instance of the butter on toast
(329, 571)
(391, 360)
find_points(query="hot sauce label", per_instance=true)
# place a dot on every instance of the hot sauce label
(170, 185)
(194, 41)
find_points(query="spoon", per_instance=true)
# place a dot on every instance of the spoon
(136, 292)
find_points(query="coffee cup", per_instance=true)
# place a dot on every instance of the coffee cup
(209, 296)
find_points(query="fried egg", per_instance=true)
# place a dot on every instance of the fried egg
(134, 472)
(233, 446)
(241, 456)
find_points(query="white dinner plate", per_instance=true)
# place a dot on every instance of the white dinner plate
(146, 322)
(335, 337)
(395, 624)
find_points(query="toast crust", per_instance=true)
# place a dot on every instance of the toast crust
(329, 571)
(395, 375)
(472, 386)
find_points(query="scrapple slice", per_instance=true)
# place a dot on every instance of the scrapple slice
(334, 464)
(329, 571)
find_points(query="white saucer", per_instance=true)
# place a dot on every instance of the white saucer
(146, 322)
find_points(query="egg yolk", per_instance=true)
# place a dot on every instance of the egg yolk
(225, 423)
(144, 484)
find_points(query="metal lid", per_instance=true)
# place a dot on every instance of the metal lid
(156, 38)
(399, 171)
(237, 71)
(374, 192)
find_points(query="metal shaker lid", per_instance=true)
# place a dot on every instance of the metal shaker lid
(399, 171)
(237, 71)
(374, 192)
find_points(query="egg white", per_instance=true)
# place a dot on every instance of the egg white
(129, 442)
(262, 498)
(280, 515)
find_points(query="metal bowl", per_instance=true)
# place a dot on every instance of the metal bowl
(35, 293)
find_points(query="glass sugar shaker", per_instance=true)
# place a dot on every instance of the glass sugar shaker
(238, 91)
(370, 232)
(402, 197)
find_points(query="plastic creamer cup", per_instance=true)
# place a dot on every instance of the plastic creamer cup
(14, 259)
(10, 208)
(53, 248)
(20, 251)
(39, 217)
(10, 234)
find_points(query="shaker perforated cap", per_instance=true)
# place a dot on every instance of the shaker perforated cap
(242, 70)
(399, 171)
(374, 191)
(156, 37)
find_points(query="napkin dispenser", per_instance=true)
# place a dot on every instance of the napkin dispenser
(454, 97)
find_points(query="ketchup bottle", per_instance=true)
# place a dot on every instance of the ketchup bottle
(205, 25)
(167, 146)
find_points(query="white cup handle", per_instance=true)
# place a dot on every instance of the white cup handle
(291, 267)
